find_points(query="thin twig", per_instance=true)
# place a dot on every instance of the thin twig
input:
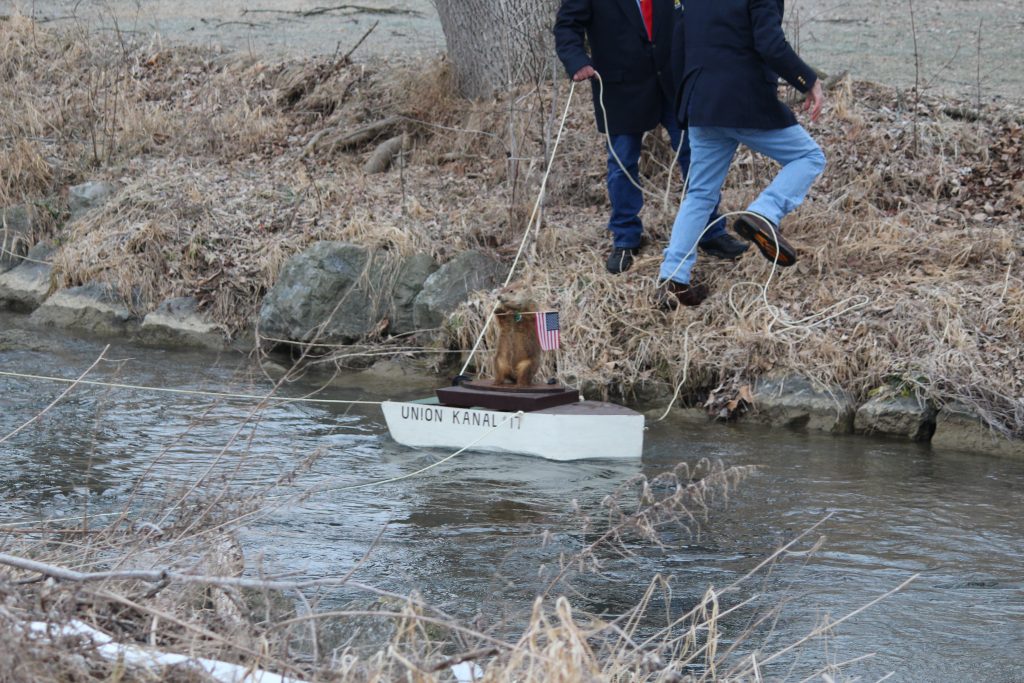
(359, 42)
(355, 9)
(470, 656)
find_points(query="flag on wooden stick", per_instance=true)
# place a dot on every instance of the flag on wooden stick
(547, 330)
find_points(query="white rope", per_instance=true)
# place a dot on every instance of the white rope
(188, 392)
(306, 495)
(73, 383)
(608, 138)
(686, 371)
(529, 226)
(421, 470)
(543, 185)
(806, 323)
(218, 394)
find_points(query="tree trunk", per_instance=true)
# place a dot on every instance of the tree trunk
(494, 44)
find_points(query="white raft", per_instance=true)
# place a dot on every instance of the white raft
(575, 431)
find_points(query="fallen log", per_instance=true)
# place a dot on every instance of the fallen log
(337, 138)
(385, 153)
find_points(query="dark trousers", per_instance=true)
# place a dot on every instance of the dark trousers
(626, 198)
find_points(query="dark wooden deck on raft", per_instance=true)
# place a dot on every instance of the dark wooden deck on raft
(508, 397)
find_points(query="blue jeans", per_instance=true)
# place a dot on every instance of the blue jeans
(626, 199)
(713, 149)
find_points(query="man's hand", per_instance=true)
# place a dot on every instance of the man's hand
(815, 99)
(584, 73)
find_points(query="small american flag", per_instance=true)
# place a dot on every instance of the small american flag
(547, 330)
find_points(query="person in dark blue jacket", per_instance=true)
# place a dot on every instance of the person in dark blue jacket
(630, 49)
(730, 54)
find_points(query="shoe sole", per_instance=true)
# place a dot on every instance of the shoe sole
(785, 255)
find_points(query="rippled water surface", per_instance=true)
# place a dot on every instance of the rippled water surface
(467, 534)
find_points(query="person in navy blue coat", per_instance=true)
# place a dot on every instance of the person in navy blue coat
(730, 55)
(630, 50)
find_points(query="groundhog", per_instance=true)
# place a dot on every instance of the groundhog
(517, 356)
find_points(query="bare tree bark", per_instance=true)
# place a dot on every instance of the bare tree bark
(494, 44)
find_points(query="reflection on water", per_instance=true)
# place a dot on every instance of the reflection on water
(468, 535)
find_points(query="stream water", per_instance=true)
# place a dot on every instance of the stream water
(467, 534)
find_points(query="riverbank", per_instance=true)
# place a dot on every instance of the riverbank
(199, 175)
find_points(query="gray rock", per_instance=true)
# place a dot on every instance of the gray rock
(26, 286)
(451, 285)
(413, 274)
(332, 293)
(94, 308)
(273, 369)
(794, 402)
(179, 322)
(903, 416)
(959, 427)
(15, 228)
(592, 389)
(88, 196)
(653, 393)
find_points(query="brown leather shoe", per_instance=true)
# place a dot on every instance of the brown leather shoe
(767, 238)
(672, 294)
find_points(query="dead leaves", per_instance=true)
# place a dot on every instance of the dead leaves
(729, 401)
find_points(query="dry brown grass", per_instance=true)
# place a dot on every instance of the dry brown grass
(918, 213)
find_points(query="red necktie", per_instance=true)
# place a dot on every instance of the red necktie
(647, 9)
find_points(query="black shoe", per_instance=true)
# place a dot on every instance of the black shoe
(724, 246)
(671, 294)
(621, 259)
(767, 237)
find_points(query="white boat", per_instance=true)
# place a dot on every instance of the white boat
(574, 431)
